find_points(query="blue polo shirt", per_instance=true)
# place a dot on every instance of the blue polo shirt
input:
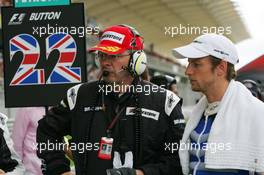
(199, 137)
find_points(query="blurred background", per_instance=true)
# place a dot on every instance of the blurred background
(166, 24)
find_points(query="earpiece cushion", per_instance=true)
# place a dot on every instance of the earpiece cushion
(138, 62)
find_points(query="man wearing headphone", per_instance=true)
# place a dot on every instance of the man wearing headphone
(128, 132)
(166, 82)
(254, 88)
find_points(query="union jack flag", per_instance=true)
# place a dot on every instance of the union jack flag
(26, 74)
(63, 72)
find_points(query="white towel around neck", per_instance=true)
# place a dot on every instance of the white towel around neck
(239, 125)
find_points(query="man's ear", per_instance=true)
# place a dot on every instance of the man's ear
(222, 68)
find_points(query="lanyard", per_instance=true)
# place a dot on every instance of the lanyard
(112, 124)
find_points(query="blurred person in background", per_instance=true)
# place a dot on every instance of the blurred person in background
(254, 88)
(24, 137)
(165, 81)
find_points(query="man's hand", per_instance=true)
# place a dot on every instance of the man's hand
(68, 173)
(121, 171)
(139, 172)
(2, 172)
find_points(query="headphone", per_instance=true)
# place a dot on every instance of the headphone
(254, 88)
(138, 59)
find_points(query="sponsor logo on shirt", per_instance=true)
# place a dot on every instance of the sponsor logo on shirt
(93, 108)
(144, 112)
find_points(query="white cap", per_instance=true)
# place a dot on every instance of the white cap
(209, 44)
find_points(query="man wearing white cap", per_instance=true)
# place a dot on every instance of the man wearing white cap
(224, 133)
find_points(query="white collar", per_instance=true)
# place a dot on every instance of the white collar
(212, 108)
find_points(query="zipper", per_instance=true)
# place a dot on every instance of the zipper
(198, 142)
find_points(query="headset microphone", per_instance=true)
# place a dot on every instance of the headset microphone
(122, 69)
(105, 73)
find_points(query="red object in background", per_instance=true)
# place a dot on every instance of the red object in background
(253, 71)
(256, 65)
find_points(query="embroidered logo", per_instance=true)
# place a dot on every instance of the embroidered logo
(144, 112)
(170, 100)
(93, 108)
(72, 95)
